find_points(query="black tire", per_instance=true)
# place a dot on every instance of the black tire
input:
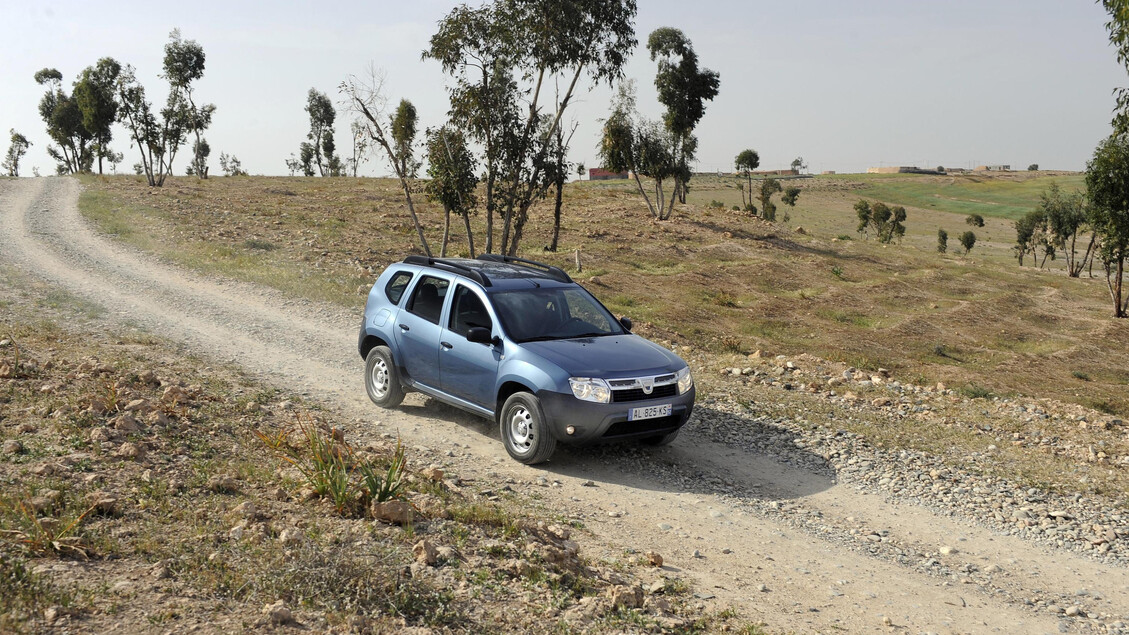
(661, 440)
(382, 380)
(525, 431)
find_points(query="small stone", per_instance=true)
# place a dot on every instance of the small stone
(223, 484)
(658, 586)
(252, 407)
(1073, 611)
(425, 552)
(698, 554)
(174, 395)
(13, 446)
(433, 474)
(762, 588)
(947, 550)
(665, 527)
(654, 558)
(246, 509)
(588, 484)
(657, 605)
(278, 614)
(102, 434)
(394, 512)
(148, 377)
(131, 451)
(629, 597)
(52, 613)
(290, 536)
(103, 503)
(126, 423)
(138, 405)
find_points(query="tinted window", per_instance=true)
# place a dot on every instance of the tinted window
(467, 310)
(395, 287)
(427, 299)
(550, 314)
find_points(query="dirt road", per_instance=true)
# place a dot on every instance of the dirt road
(775, 536)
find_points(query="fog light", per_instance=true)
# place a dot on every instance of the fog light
(571, 429)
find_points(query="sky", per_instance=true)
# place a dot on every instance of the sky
(845, 84)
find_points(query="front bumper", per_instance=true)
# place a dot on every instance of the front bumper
(595, 422)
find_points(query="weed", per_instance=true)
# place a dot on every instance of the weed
(974, 391)
(389, 485)
(1080, 375)
(262, 245)
(723, 298)
(844, 237)
(716, 204)
(42, 536)
(24, 592)
(837, 271)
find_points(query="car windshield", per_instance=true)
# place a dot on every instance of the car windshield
(553, 314)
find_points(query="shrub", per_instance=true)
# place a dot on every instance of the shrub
(1080, 375)
(975, 220)
(973, 391)
(1033, 167)
(717, 204)
(837, 271)
(967, 240)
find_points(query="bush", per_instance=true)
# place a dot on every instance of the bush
(967, 240)
(942, 241)
(717, 204)
(975, 220)
(736, 208)
(1033, 167)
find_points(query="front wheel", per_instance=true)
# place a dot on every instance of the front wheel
(382, 381)
(524, 430)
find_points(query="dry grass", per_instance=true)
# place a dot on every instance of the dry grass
(711, 277)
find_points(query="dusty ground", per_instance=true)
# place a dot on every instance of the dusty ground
(787, 536)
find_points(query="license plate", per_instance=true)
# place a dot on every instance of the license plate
(649, 412)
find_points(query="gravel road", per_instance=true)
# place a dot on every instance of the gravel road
(738, 503)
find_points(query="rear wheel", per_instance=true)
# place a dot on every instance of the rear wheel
(524, 430)
(660, 440)
(382, 381)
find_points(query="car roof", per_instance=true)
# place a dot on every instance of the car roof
(496, 275)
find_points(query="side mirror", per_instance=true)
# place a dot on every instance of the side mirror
(626, 322)
(479, 335)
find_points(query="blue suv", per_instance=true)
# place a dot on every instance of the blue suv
(520, 343)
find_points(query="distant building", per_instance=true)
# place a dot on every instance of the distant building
(600, 174)
(777, 173)
(993, 168)
(828, 172)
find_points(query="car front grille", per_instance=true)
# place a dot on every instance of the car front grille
(642, 426)
(637, 394)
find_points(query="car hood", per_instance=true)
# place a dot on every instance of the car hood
(609, 356)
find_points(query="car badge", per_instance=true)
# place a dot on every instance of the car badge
(648, 385)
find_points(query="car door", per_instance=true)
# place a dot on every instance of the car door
(469, 370)
(418, 329)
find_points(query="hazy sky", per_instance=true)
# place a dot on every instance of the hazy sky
(846, 84)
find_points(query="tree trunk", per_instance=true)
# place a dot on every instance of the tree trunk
(469, 235)
(639, 184)
(557, 216)
(446, 230)
(490, 209)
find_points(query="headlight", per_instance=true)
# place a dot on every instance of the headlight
(685, 380)
(590, 389)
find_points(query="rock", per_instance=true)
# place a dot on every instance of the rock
(13, 446)
(884, 372)
(103, 503)
(658, 586)
(665, 527)
(102, 434)
(5, 371)
(880, 401)
(290, 537)
(158, 418)
(126, 423)
(277, 613)
(433, 474)
(53, 613)
(657, 605)
(246, 509)
(947, 550)
(140, 406)
(518, 568)
(223, 484)
(655, 559)
(940, 387)
(131, 451)
(628, 597)
(762, 588)
(46, 503)
(1073, 611)
(425, 552)
(252, 407)
(148, 377)
(698, 554)
(174, 395)
(395, 512)
(850, 396)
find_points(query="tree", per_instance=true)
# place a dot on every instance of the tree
(1032, 235)
(1024, 234)
(1118, 27)
(942, 241)
(16, 151)
(798, 164)
(451, 167)
(767, 189)
(231, 165)
(976, 220)
(967, 240)
(580, 170)
(321, 147)
(1034, 167)
(746, 162)
(887, 222)
(1066, 218)
(360, 147)
(366, 98)
(557, 172)
(1107, 182)
(642, 148)
(63, 117)
(94, 94)
(790, 196)
(184, 65)
(540, 42)
(862, 210)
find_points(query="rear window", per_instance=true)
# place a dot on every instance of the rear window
(395, 287)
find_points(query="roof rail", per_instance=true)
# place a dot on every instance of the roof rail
(555, 272)
(449, 265)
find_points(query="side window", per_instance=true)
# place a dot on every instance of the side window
(581, 308)
(427, 299)
(467, 310)
(395, 287)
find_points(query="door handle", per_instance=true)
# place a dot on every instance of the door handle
(446, 346)
(404, 327)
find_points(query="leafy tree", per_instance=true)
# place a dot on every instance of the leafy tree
(451, 167)
(1033, 235)
(231, 165)
(942, 241)
(1107, 181)
(640, 147)
(1118, 27)
(94, 94)
(580, 170)
(320, 149)
(1033, 167)
(745, 163)
(1024, 234)
(790, 196)
(184, 65)
(16, 151)
(967, 240)
(63, 117)
(767, 189)
(798, 164)
(941, 169)
(1066, 218)
(542, 42)
(862, 210)
(366, 98)
(976, 220)
(360, 147)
